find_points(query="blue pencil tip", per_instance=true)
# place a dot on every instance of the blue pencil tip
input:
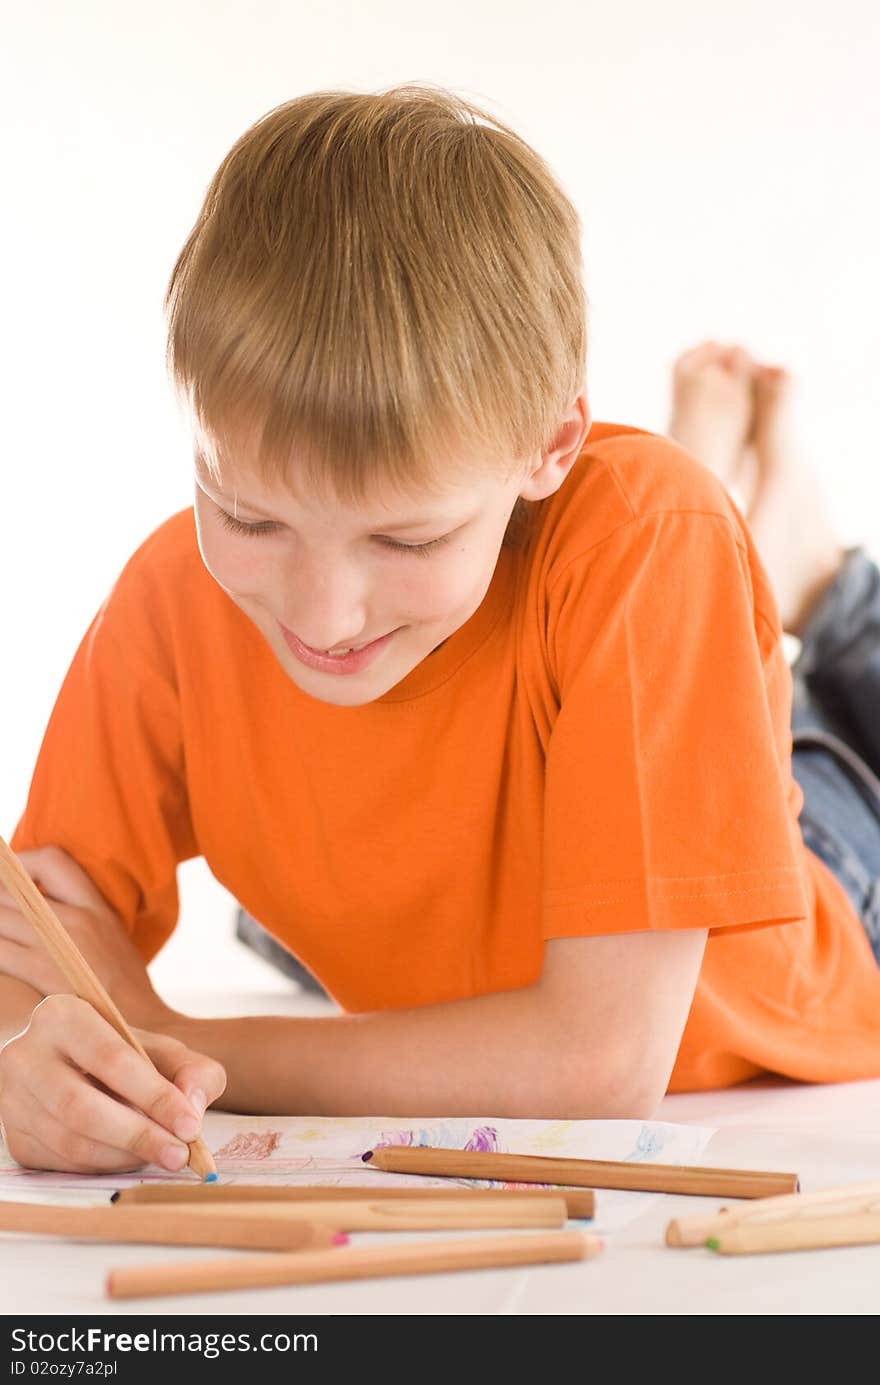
(365, 1158)
(210, 1178)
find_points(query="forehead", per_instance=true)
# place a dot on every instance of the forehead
(239, 484)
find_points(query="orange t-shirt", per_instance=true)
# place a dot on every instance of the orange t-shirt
(603, 747)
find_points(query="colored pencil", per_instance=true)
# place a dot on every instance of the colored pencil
(347, 1262)
(579, 1202)
(70, 961)
(157, 1226)
(695, 1231)
(798, 1233)
(468, 1212)
(596, 1173)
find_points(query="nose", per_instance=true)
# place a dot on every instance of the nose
(327, 606)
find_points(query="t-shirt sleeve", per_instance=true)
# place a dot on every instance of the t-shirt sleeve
(668, 774)
(109, 784)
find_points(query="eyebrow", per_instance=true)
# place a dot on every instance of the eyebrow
(415, 523)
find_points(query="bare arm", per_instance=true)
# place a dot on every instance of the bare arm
(596, 1037)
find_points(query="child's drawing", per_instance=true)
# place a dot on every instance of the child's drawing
(483, 1138)
(251, 1144)
(327, 1150)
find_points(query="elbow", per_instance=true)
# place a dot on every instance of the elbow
(633, 1102)
(624, 1102)
(608, 1093)
(599, 1097)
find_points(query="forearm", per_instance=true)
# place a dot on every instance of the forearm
(501, 1054)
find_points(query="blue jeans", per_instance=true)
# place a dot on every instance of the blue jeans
(836, 734)
(835, 751)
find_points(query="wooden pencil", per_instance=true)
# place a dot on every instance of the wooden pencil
(695, 1231)
(347, 1262)
(177, 1227)
(596, 1173)
(579, 1202)
(468, 1212)
(80, 976)
(798, 1233)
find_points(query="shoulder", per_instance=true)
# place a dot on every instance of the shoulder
(169, 552)
(626, 475)
(636, 502)
(168, 562)
(161, 587)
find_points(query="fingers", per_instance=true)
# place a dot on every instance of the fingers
(61, 878)
(37, 1140)
(82, 1123)
(23, 956)
(53, 1108)
(30, 965)
(95, 1048)
(201, 1079)
(14, 926)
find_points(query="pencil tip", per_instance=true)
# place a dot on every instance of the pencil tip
(712, 1243)
(365, 1158)
(114, 1197)
(210, 1178)
(340, 1238)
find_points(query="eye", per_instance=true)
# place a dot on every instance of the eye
(238, 526)
(422, 549)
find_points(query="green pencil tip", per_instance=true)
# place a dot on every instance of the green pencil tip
(713, 1243)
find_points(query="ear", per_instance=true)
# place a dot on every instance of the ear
(556, 460)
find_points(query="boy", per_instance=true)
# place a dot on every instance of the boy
(537, 833)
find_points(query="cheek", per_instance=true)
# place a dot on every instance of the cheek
(449, 589)
(228, 561)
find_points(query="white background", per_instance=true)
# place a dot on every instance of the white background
(723, 158)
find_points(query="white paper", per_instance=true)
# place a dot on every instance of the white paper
(327, 1150)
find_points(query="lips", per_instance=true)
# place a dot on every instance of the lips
(354, 661)
(349, 649)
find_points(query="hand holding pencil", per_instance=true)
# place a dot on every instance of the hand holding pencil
(79, 1091)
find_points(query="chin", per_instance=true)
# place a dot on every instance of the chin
(341, 692)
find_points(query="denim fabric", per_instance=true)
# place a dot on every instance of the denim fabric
(838, 668)
(836, 735)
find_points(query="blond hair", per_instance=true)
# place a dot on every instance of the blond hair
(388, 287)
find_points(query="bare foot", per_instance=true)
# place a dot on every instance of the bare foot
(789, 519)
(712, 407)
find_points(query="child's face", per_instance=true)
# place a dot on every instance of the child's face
(326, 574)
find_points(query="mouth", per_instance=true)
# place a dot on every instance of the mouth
(345, 649)
(343, 660)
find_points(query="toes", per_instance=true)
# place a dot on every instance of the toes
(696, 357)
(772, 407)
(771, 383)
(739, 360)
